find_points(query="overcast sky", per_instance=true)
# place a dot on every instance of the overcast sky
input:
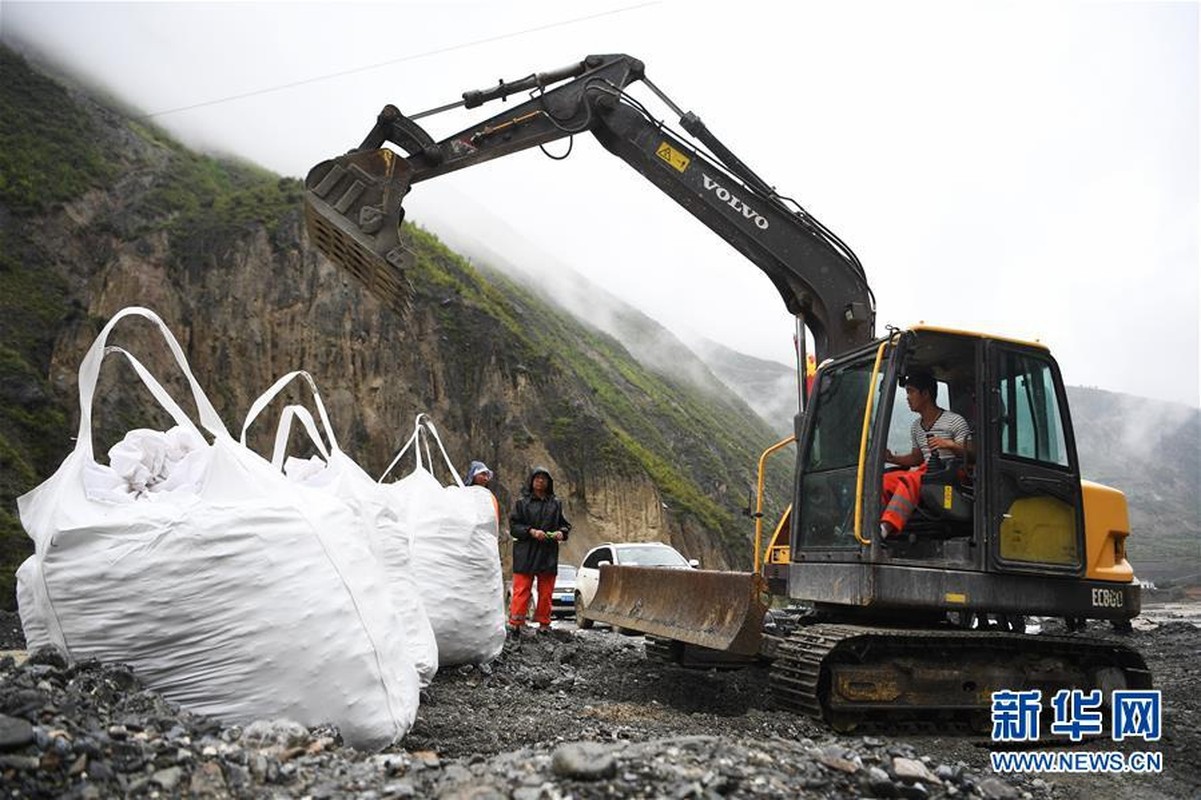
(1027, 169)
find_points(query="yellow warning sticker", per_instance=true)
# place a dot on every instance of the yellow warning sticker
(946, 497)
(956, 597)
(674, 157)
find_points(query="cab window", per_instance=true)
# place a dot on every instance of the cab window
(842, 398)
(827, 497)
(900, 425)
(1031, 425)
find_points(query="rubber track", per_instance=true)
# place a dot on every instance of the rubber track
(796, 673)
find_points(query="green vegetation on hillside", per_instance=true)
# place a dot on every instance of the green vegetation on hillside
(603, 412)
(205, 203)
(48, 155)
(51, 152)
(613, 414)
(48, 149)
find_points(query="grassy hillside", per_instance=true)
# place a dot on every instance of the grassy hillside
(610, 410)
(53, 150)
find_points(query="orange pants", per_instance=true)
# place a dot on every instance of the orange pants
(523, 582)
(901, 492)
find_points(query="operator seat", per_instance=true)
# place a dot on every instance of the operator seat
(946, 505)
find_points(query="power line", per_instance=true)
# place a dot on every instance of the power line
(414, 57)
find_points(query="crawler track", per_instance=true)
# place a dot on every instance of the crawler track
(856, 676)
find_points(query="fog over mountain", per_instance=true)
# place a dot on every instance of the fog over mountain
(499, 248)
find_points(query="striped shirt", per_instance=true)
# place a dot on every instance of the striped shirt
(949, 425)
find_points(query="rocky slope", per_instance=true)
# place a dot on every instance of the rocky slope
(572, 714)
(218, 249)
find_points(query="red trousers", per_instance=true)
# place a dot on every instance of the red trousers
(522, 583)
(901, 492)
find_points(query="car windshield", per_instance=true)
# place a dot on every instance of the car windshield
(566, 572)
(662, 556)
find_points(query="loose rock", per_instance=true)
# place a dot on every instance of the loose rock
(621, 726)
(585, 761)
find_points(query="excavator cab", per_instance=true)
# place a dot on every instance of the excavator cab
(1015, 533)
(1003, 535)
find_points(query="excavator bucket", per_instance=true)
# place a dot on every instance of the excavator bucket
(353, 213)
(718, 610)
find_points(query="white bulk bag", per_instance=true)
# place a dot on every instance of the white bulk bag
(453, 532)
(339, 475)
(231, 599)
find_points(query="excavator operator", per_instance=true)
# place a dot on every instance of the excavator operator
(937, 434)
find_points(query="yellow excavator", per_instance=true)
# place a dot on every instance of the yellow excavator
(925, 626)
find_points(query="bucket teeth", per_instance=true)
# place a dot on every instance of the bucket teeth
(353, 213)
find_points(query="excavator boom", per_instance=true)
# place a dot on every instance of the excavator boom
(355, 201)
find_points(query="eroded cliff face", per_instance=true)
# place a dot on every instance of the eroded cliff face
(614, 509)
(257, 310)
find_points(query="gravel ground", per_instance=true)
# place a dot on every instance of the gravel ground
(571, 714)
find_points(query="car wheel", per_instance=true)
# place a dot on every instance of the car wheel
(580, 620)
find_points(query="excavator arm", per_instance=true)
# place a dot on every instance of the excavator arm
(354, 202)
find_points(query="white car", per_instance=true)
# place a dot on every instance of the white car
(637, 554)
(562, 601)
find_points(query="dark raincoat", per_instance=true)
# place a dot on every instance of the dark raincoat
(531, 555)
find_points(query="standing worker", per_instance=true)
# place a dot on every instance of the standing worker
(537, 525)
(478, 474)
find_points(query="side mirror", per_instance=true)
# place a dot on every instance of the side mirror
(694, 563)
(600, 564)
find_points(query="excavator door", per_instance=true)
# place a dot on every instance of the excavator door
(1038, 521)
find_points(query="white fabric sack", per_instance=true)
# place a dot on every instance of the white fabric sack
(143, 465)
(33, 605)
(453, 532)
(337, 474)
(232, 599)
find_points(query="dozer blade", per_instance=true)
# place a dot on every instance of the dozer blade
(718, 610)
(353, 214)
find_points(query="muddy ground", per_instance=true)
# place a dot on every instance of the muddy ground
(569, 714)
